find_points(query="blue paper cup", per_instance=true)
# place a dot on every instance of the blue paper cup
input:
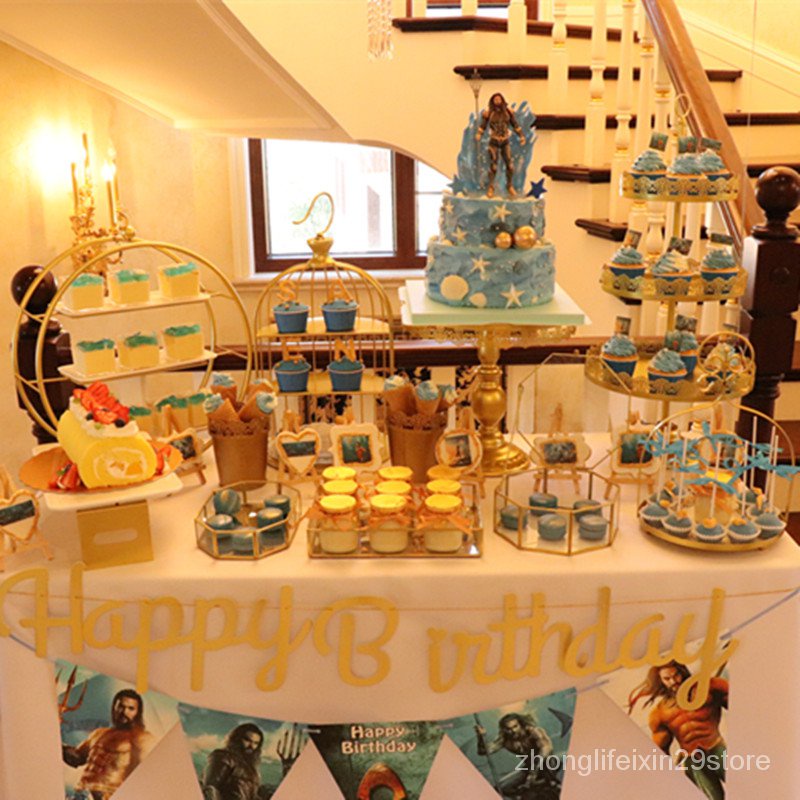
(295, 380)
(291, 321)
(339, 320)
(345, 380)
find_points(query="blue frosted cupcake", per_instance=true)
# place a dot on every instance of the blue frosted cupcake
(345, 374)
(686, 165)
(619, 354)
(649, 163)
(678, 525)
(710, 531)
(552, 527)
(292, 374)
(339, 315)
(688, 351)
(712, 166)
(742, 530)
(668, 268)
(592, 527)
(667, 365)
(769, 525)
(718, 263)
(654, 514)
(627, 261)
(291, 317)
(542, 503)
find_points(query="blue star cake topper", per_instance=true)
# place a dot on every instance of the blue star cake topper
(537, 189)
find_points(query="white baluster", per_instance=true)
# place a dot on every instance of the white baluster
(419, 8)
(694, 217)
(399, 8)
(558, 68)
(644, 108)
(618, 206)
(663, 91)
(656, 212)
(517, 30)
(596, 110)
(469, 8)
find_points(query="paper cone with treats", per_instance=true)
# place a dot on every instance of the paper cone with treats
(426, 397)
(398, 394)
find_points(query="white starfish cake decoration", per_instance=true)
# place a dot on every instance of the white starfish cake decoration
(513, 296)
(447, 206)
(500, 212)
(479, 265)
(459, 235)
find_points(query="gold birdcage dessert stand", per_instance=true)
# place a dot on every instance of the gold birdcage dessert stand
(312, 284)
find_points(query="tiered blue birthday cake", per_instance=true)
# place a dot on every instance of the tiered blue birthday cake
(490, 251)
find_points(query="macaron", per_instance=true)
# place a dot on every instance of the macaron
(552, 527)
(542, 503)
(592, 527)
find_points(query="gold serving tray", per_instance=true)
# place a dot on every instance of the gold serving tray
(707, 547)
(681, 189)
(702, 388)
(692, 290)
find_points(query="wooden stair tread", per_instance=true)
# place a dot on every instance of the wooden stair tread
(496, 72)
(561, 122)
(494, 25)
(577, 173)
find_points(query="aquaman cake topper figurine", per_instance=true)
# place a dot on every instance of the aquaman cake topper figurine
(500, 119)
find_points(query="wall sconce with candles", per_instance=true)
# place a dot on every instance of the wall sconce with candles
(87, 239)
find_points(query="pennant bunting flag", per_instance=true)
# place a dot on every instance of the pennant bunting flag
(694, 740)
(240, 757)
(382, 759)
(519, 748)
(107, 729)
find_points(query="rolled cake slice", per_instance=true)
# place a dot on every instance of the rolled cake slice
(97, 435)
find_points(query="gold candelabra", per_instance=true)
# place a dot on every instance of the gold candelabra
(88, 240)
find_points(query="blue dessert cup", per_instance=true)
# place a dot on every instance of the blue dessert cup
(291, 320)
(292, 380)
(626, 270)
(339, 319)
(345, 380)
(709, 275)
(625, 365)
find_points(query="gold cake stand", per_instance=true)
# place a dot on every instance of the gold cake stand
(551, 322)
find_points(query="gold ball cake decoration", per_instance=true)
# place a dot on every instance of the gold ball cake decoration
(503, 240)
(525, 237)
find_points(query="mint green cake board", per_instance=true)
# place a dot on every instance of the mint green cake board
(418, 309)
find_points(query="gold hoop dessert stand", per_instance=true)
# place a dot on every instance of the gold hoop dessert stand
(96, 262)
(687, 290)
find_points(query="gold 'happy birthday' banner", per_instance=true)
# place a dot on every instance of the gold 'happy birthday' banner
(334, 631)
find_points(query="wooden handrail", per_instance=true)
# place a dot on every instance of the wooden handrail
(705, 116)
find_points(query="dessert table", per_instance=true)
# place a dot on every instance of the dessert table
(449, 595)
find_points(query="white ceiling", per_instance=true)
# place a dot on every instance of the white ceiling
(189, 62)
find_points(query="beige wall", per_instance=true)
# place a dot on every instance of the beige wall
(769, 23)
(174, 184)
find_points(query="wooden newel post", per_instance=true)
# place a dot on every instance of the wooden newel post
(771, 256)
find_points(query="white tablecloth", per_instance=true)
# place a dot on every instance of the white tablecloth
(463, 594)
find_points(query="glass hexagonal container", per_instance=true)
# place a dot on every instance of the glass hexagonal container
(556, 511)
(239, 522)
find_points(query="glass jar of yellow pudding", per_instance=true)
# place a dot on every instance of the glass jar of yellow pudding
(443, 486)
(338, 527)
(338, 474)
(347, 487)
(441, 534)
(402, 488)
(387, 532)
(443, 472)
(396, 474)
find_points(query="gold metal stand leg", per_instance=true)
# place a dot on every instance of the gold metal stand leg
(489, 406)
